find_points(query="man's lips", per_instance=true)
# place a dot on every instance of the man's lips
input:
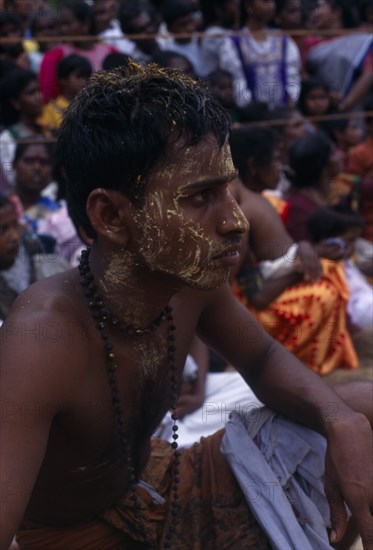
(228, 257)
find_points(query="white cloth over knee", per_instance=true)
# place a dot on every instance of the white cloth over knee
(279, 466)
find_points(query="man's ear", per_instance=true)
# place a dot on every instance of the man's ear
(108, 212)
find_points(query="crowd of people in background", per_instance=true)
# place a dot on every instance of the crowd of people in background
(301, 104)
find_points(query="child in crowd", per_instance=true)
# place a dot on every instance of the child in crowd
(338, 228)
(21, 114)
(314, 101)
(73, 72)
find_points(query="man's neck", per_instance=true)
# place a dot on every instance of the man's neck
(133, 294)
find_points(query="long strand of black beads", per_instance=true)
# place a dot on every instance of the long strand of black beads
(170, 533)
(101, 315)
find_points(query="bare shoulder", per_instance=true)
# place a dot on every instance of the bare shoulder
(268, 236)
(42, 339)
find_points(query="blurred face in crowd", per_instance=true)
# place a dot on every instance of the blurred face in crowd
(184, 25)
(295, 128)
(261, 10)
(45, 25)
(73, 84)
(9, 236)
(69, 25)
(229, 14)
(290, 16)
(323, 16)
(335, 164)
(144, 24)
(317, 102)
(29, 101)
(24, 8)
(183, 64)
(222, 89)
(354, 133)
(104, 11)
(266, 176)
(33, 169)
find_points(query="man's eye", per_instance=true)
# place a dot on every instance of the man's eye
(203, 196)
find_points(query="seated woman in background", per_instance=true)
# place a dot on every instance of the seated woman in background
(300, 302)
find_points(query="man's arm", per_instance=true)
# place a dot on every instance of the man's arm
(283, 383)
(33, 388)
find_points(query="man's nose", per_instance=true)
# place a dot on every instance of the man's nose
(234, 220)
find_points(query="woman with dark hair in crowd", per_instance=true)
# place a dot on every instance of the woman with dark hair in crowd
(21, 114)
(75, 19)
(314, 161)
(265, 62)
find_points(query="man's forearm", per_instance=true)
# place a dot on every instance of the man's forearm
(286, 385)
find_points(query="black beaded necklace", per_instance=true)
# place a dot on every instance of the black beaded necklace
(102, 316)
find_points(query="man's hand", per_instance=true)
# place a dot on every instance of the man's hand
(349, 476)
(308, 262)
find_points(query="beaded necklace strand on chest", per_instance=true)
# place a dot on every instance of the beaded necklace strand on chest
(103, 317)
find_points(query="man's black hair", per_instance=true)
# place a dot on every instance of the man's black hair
(308, 157)
(73, 63)
(119, 127)
(10, 88)
(257, 142)
(329, 221)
